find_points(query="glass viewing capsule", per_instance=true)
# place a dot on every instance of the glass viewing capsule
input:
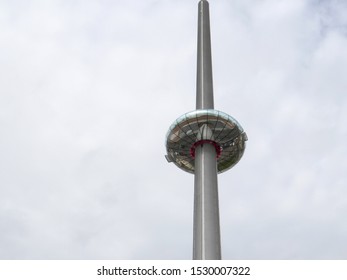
(205, 126)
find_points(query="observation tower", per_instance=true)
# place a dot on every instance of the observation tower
(205, 142)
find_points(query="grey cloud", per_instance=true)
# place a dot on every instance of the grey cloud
(87, 97)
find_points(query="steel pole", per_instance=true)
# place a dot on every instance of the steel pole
(206, 231)
(204, 81)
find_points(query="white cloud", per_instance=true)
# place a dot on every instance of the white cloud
(88, 91)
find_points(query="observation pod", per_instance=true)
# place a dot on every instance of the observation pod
(200, 127)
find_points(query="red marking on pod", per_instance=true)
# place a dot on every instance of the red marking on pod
(201, 142)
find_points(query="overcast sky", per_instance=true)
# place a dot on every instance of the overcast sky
(88, 90)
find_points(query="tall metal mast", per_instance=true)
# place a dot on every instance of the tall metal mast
(205, 142)
(204, 81)
(206, 232)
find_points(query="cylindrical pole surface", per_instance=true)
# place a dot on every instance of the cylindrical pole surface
(206, 244)
(204, 81)
(206, 240)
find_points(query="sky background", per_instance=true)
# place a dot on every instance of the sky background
(88, 90)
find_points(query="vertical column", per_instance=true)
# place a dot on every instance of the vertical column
(206, 231)
(204, 81)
